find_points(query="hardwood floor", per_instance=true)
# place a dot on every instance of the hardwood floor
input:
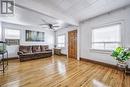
(58, 71)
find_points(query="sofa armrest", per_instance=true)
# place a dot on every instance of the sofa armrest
(20, 53)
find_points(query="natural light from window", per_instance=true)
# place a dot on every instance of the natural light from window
(106, 38)
(12, 34)
(61, 41)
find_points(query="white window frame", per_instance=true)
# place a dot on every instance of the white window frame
(106, 50)
(12, 29)
(61, 43)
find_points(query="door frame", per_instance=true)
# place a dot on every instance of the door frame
(78, 43)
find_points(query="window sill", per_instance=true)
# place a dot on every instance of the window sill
(60, 47)
(101, 51)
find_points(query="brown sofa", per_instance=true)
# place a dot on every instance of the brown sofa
(34, 52)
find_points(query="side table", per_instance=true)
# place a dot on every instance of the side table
(57, 51)
(3, 60)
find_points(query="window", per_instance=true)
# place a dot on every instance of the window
(61, 41)
(12, 36)
(7, 6)
(106, 38)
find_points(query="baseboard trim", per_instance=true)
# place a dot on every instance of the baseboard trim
(60, 54)
(99, 63)
(12, 58)
(63, 54)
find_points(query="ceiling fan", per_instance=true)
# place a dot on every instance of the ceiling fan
(49, 25)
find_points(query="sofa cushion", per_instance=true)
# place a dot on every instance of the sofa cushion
(25, 49)
(44, 47)
(42, 52)
(27, 54)
(36, 49)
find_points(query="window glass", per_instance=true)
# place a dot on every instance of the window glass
(12, 34)
(107, 37)
(61, 41)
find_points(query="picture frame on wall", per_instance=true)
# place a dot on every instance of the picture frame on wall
(34, 36)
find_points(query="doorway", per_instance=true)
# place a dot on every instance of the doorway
(72, 44)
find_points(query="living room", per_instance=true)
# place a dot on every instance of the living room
(48, 44)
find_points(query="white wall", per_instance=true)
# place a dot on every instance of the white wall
(65, 31)
(122, 15)
(49, 37)
(0, 30)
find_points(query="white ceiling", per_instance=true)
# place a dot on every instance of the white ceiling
(61, 11)
(31, 18)
(83, 9)
(46, 9)
(26, 17)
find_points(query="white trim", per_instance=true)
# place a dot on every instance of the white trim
(61, 43)
(101, 51)
(78, 43)
(107, 25)
(12, 29)
(3, 32)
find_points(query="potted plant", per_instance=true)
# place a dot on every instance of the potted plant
(122, 55)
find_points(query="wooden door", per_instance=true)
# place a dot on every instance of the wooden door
(72, 44)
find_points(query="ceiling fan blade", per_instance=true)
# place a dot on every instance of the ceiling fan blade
(56, 26)
(63, 27)
(43, 24)
(44, 27)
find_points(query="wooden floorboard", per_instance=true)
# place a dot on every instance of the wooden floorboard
(58, 71)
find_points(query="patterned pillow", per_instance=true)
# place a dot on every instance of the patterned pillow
(25, 49)
(44, 48)
(36, 49)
